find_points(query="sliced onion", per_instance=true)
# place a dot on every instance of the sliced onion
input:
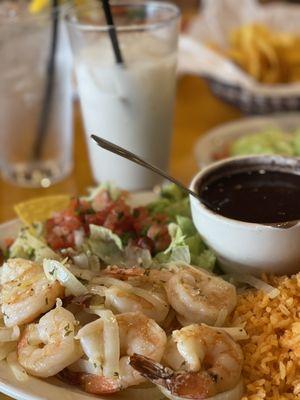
(81, 260)
(9, 334)
(153, 299)
(94, 263)
(18, 371)
(6, 348)
(233, 394)
(97, 289)
(91, 340)
(221, 317)
(58, 302)
(145, 294)
(108, 281)
(84, 274)
(111, 340)
(55, 270)
(258, 284)
(84, 366)
(90, 328)
(78, 237)
(236, 332)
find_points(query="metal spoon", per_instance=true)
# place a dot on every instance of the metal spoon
(120, 151)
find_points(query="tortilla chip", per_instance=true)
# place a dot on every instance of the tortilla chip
(41, 208)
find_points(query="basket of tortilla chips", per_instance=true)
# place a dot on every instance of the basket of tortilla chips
(249, 53)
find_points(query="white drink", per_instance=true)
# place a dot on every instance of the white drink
(130, 105)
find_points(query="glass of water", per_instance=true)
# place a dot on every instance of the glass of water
(35, 96)
(129, 103)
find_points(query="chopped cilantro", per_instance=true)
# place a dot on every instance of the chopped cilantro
(67, 330)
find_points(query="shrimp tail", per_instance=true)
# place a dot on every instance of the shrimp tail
(91, 383)
(151, 370)
(189, 385)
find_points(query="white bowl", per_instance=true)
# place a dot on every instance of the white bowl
(214, 144)
(242, 246)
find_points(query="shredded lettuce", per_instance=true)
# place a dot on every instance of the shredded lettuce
(30, 247)
(177, 250)
(172, 201)
(206, 259)
(186, 225)
(106, 235)
(113, 191)
(55, 270)
(106, 245)
(186, 244)
(296, 142)
(134, 256)
(185, 248)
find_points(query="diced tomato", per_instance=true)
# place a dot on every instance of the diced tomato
(60, 229)
(101, 201)
(119, 219)
(159, 234)
(60, 242)
(146, 243)
(2, 258)
(8, 242)
(144, 230)
(94, 219)
(142, 220)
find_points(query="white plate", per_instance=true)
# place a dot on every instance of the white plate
(50, 389)
(217, 139)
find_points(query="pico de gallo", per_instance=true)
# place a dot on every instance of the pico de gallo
(106, 228)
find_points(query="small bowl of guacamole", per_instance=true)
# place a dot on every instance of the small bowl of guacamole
(278, 134)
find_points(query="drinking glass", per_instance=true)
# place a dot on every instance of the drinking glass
(36, 96)
(129, 103)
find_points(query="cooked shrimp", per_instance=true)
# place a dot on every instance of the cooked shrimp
(136, 299)
(141, 335)
(137, 334)
(211, 364)
(48, 347)
(137, 273)
(198, 296)
(138, 293)
(26, 292)
(122, 273)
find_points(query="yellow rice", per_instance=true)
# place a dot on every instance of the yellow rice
(272, 352)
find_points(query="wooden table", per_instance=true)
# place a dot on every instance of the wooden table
(196, 111)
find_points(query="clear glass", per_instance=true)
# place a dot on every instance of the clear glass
(130, 104)
(29, 155)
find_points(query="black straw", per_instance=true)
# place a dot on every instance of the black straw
(49, 86)
(112, 32)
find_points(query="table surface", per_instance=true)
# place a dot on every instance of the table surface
(196, 111)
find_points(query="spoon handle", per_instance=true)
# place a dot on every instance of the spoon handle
(120, 151)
